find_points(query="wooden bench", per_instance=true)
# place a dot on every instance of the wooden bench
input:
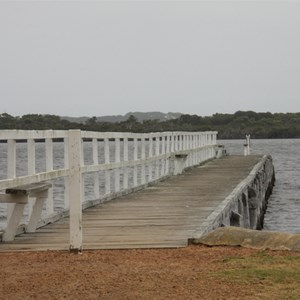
(19, 196)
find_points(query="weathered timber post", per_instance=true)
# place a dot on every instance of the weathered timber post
(11, 170)
(117, 160)
(96, 174)
(107, 161)
(125, 158)
(247, 145)
(75, 190)
(220, 151)
(49, 167)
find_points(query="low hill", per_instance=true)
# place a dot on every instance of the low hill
(140, 116)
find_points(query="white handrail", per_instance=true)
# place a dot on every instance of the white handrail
(111, 163)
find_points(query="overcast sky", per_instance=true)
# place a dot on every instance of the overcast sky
(99, 58)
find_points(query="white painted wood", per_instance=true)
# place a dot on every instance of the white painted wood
(11, 170)
(198, 152)
(49, 167)
(31, 134)
(168, 147)
(192, 156)
(195, 149)
(125, 169)
(179, 163)
(117, 160)
(96, 174)
(163, 161)
(187, 142)
(14, 221)
(66, 178)
(181, 143)
(40, 191)
(11, 158)
(22, 180)
(135, 157)
(36, 211)
(31, 157)
(75, 190)
(188, 146)
(31, 168)
(150, 169)
(172, 143)
(7, 198)
(143, 157)
(157, 147)
(247, 146)
(107, 161)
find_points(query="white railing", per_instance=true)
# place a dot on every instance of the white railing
(87, 168)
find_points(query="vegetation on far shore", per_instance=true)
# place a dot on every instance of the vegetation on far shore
(229, 126)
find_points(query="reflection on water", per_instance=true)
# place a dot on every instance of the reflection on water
(283, 212)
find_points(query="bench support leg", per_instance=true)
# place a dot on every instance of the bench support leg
(36, 211)
(13, 222)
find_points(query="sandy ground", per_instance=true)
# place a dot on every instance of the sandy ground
(194, 272)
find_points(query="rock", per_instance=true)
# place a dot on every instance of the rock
(236, 236)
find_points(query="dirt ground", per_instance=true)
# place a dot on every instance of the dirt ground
(195, 272)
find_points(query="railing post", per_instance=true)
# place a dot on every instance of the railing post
(117, 160)
(247, 146)
(174, 143)
(163, 151)
(96, 174)
(198, 146)
(11, 170)
(107, 161)
(66, 179)
(30, 168)
(150, 169)
(135, 158)
(125, 158)
(180, 142)
(168, 146)
(49, 167)
(75, 190)
(157, 146)
(143, 156)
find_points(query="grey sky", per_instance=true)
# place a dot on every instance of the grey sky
(99, 58)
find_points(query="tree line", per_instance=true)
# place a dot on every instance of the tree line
(229, 126)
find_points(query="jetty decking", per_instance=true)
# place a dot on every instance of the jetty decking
(162, 215)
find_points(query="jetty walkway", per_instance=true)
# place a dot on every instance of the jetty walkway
(165, 214)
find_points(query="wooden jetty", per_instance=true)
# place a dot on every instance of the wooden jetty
(163, 215)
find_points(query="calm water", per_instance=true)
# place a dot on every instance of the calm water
(283, 212)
